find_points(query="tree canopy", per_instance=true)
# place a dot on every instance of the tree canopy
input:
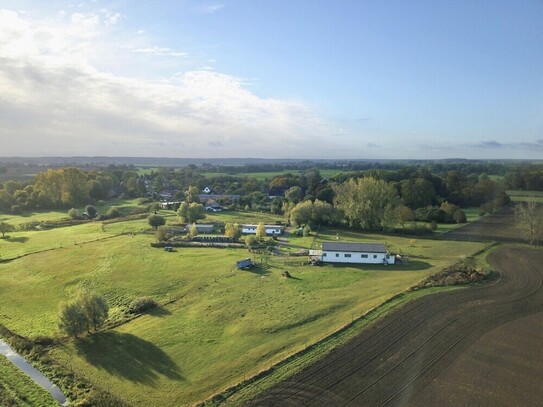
(368, 203)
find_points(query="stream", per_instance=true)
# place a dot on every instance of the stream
(34, 374)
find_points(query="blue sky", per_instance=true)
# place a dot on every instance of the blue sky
(272, 79)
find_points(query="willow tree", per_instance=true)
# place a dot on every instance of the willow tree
(367, 203)
(530, 220)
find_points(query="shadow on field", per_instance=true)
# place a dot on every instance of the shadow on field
(128, 356)
(410, 265)
(159, 312)
(260, 269)
(20, 239)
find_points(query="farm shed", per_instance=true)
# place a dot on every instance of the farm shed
(243, 264)
(271, 230)
(351, 252)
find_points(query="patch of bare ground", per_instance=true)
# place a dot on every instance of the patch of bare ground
(499, 227)
(423, 353)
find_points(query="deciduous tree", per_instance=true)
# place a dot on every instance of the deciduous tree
(367, 202)
(94, 307)
(528, 218)
(261, 231)
(72, 319)
(6, 228)
(156, 220)
(232, 230)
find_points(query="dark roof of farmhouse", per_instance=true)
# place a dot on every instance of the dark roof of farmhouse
(354, 247)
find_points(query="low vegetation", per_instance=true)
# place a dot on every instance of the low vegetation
(18, 390)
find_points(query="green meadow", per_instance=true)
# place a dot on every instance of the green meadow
(17, 389)
(526, 196)
(218, 326)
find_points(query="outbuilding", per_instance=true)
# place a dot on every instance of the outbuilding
(243, 264)
(353, 252)
(271, 230)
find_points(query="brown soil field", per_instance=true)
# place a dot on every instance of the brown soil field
(499, 227)
(479, 346)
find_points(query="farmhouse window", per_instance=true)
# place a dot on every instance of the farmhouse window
(337, 254)
(347, 255)
(374, 256)
(324, 255)
(364, 256)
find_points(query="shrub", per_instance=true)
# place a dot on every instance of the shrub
(141, 304)
(73, 213)
(91, 211)
(113, 213)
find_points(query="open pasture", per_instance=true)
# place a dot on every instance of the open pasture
(220, 326)
(525, 196)
(17, 389)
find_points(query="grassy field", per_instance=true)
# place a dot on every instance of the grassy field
(525, 196)
(17, 389)
(126, 205)
(223, 324)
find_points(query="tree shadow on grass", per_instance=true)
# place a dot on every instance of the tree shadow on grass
(20, 239)
(410, 265)
(260, 269)
(127, 356)
(159, 312)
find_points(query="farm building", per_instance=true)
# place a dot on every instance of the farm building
(271, 230)
(351, 252)
(244, 264)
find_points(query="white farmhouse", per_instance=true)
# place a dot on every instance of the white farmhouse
(271, 230)
(350, 252)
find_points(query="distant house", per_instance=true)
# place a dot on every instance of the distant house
(213, 206)
(171, 205)
(167, 194)
(271, 230)
(351, 252)
(277, 191)
(207, 191)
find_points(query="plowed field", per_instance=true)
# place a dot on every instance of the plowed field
(476, 346)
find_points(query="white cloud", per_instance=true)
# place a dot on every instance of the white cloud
(209, 8)
(160, 51)
(55, 101)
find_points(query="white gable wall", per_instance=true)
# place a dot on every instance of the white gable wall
(356, 257)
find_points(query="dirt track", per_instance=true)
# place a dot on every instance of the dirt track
(420, 354)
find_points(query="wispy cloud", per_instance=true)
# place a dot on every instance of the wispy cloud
(56, 101)
(160, 51)
(519, 145)
(209, 8)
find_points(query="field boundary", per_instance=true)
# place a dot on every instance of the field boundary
(9, 259)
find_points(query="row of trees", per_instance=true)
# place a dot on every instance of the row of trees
(68, 187)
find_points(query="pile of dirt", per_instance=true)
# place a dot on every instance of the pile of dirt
(457, 274)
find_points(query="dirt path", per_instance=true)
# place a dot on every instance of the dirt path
(403, 357)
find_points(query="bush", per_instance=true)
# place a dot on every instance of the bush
(142, 304)
(113, 213)
(73, 214)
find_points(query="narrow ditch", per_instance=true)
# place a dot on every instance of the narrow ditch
(34, 373)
